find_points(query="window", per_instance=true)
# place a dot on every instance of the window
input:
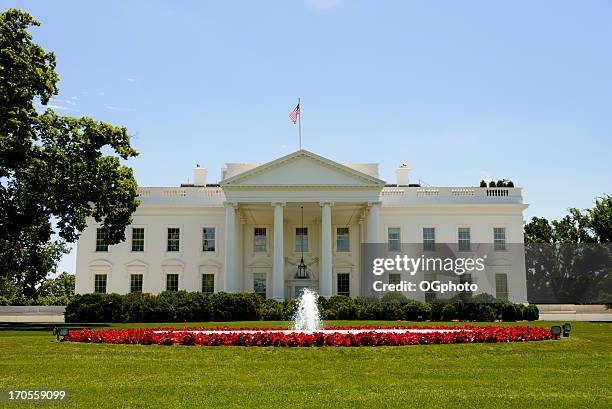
(501, 287)
(174, 239)
(101, 244)
(172, 282)
(208, 283)
(342, 239)
(393, 239)
(499, 238)
(344, 287)
(208, 239)
(136, 283)
(260, 239)
(259, 284)
(395, 278)
(463, 238)
(137, 239)
(429, 239)
(100, 283)
(430, 296)
(301, 239)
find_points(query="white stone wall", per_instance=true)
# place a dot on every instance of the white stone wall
(190, 262)
(119, 262)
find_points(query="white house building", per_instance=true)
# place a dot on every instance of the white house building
(250, 231)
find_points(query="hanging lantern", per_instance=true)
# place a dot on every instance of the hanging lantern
(302, 269)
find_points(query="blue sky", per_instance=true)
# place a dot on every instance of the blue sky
(457, 90)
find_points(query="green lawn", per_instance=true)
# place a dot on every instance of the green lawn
(570, 372)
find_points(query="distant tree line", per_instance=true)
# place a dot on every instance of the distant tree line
(570, 260)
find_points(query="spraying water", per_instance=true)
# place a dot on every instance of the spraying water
(307, 317)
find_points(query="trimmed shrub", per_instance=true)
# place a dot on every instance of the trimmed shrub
(95, 307)
(340, 307)
(486, 312)
(394, 297)
(483, 183)
(436, 311)
(509, 312)
(414, 311)
(272, 310)
(289, 307)
(491, 184)
(532, 313)
(183, 306)
(449, 312)
(138, 307)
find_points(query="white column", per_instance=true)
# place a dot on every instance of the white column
(278, 268)
(230, 276)
(373, 219)
(325, 275)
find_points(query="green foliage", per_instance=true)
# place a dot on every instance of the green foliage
(483, 183)
(491, 184)
(52, 167)
(568, 260)
(449, 312)
(589, 226)
(272, 310)
(340, 307)
(394, 297)
(62, 285)
(183, 306)
(95, 307)
(509, 312)
(600, 219)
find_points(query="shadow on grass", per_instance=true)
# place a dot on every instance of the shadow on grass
(41, 326)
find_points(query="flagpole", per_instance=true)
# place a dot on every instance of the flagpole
(300, 122)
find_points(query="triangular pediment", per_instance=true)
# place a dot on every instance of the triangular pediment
(302, 168)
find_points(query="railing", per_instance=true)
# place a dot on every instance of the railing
(398, 195)
(428, 192)
(393, 191)
(497, 192)
(462, 192)
(187, 195)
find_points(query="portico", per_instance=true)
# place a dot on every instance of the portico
(330, 194)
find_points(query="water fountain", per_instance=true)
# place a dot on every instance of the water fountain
(307, 317)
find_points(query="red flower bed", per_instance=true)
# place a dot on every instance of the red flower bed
(274, 337)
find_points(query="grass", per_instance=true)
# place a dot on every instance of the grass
(570, 372)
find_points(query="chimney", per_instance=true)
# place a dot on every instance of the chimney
(401, 175)
(199, 176)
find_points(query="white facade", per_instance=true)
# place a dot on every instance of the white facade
(265, 201)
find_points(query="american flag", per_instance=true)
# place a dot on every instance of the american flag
(294, 114)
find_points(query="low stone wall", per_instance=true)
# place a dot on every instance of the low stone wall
(573, 312)
(34, 313)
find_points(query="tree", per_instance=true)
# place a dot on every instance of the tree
(600, 219)
(569, 260)
(52, 168)
(62, 285)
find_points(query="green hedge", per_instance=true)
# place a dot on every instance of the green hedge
(183, 306)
